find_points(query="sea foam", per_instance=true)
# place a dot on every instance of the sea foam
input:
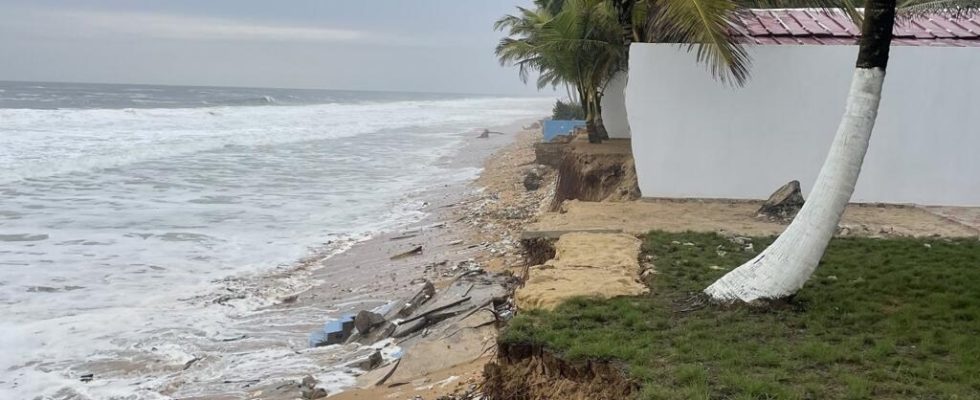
(135, 239)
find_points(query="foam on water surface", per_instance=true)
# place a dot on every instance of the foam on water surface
(136, 241)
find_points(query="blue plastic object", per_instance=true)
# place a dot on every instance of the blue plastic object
(333, 332)
(557, 127)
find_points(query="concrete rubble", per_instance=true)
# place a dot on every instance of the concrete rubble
(784, 203)
(438, 329)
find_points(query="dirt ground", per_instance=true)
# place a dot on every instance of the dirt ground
(969, 216)
(586, 264)
(448, 381)
(737, 217)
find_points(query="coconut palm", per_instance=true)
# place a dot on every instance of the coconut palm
(585, 43)
(576, 46)
(783, 268)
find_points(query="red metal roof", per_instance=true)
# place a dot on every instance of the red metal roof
(819, 27)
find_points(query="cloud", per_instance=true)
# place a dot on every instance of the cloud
(170, 26)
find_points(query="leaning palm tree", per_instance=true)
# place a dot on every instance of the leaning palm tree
(783, 268)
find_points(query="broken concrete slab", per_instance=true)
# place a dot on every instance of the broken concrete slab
(381, 332)
(469, 292)
(407, 328)
(364, 321)
(443, 352)
(421, 297)
(378, 376)
(367, 362)
(438, 306)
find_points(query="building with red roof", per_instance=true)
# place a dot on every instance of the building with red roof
(694, 136)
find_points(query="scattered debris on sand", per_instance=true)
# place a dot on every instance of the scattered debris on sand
(448, 329)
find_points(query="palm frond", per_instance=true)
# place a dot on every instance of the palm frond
(705, 26)
(849, 7)
(957, 9)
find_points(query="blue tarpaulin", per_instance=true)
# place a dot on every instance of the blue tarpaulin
(554, 128)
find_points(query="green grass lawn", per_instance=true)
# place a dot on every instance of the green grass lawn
(880, 319)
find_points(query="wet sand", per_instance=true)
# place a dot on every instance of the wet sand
(465, 224)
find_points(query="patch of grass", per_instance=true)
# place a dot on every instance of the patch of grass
(880, 319)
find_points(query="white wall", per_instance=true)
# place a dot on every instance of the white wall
(695, 137)
(614, 107)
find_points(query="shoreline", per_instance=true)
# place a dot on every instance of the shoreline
(455, 230)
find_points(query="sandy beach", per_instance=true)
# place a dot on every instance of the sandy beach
(471, 226)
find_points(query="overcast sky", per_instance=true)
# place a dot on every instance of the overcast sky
(411, 45)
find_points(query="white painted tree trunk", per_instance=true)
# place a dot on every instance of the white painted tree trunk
(787, 264)
(614, 106)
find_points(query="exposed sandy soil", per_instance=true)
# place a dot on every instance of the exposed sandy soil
(596, 172)
(969, 216)
(441, 383)
(733, 217)
(586, 264)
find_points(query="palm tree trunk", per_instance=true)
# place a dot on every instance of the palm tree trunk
(590, 118)
(601, 132)
(788, 263)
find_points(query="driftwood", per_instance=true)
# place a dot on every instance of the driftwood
(413, 252)
(486, 134)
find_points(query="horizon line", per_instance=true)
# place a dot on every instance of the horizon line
(265, 87)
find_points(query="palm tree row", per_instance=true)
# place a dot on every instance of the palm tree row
(569, 44)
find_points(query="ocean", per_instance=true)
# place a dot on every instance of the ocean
(122, 206)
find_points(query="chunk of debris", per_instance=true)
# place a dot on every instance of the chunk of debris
(428, 290)
(407, 328)
(365, 321)
(376, 334)
(784, 203)
(368, 362)
(308, 389)
(413, 252)
(533, 178)
(333, 332)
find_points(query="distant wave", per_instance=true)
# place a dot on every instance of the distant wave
(41, 143)
(253, 101)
